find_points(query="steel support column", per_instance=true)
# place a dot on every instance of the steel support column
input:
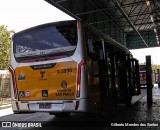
(149, 80)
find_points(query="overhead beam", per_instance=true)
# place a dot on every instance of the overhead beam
(133, 3)
(106, 16)
(116, 3)
(93, 11)
(90, 12)
(137, 24)
(60, 1)
(99, 22)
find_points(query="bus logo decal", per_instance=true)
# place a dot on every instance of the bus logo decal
(42, 74)
(44, 66)
(44, 93)
(21, 94)
(64, 84)
(27, 94)
(21, 76)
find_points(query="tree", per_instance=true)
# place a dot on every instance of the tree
(5, 43)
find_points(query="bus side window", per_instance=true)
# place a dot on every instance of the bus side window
(90, 46)
(93, 49)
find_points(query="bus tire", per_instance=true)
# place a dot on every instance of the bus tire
(16, 112)
(23, 112)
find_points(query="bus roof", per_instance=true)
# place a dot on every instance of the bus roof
(45, 25)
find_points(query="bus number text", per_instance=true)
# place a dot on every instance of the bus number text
(69, 70)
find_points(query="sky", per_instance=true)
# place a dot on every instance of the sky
(141, 54)
(18, 15)
(21, 14)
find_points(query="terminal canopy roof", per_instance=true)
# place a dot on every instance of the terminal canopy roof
(132, 23)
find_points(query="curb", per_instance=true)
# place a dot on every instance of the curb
(5, 106)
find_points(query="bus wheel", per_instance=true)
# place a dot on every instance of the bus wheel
(22, 112)
(16, 112)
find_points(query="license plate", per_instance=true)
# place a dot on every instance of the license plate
(44, 106)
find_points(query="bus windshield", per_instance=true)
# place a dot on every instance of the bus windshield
(46, 40)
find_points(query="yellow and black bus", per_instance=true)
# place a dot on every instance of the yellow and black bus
(68, 66)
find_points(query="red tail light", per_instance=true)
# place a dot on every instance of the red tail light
(79, 77)
(78, 25)
(13, 81)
